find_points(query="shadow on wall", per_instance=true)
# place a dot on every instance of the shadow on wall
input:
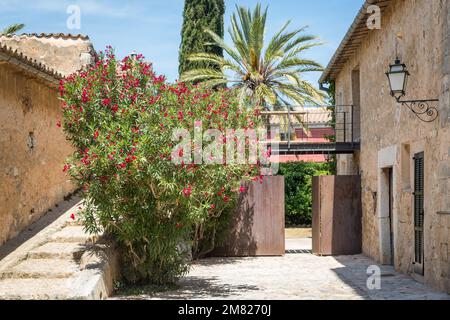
(240, 241)
(257, 227)
(47, 219)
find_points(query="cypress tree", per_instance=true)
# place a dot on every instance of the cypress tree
(200, 15)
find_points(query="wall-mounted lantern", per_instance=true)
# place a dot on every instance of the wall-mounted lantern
(398, 79)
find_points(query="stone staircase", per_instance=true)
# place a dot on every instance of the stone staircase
(60, 262)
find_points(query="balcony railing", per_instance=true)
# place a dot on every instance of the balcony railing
(315, 130)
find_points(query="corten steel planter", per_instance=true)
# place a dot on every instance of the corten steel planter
(257, 228)
(336, 225)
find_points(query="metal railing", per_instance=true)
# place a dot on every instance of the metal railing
(338, 124)
(347, 124)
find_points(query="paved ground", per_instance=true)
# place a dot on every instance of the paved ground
(295, 233)
(294, 276)
(47, 264)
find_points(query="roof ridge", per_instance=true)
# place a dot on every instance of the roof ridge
(49, 35)
(21, 57)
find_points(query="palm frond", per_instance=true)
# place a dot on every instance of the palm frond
(299, 40)
(221, 43)
(272, 44)
(279, 43)
(297, 62)
(201, 75)
(13, 28)
(265, 93)
(295, 51)
(217, 60)
(272, 74)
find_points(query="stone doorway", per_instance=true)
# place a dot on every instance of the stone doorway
(387, 214)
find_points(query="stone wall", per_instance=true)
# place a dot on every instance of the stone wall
(391, 134)
(32, 147)
(32, 151)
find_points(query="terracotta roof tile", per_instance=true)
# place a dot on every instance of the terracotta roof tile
(50, 36)
(309, 116)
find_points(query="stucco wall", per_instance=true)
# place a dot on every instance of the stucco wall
(392, 132)
(31, 174)
(64, 54)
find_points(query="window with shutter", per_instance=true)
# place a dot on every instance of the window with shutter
(419, 212)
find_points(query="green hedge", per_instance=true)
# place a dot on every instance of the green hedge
(298, 189)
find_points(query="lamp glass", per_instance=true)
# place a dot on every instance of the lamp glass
(398, 76)
(397, 81)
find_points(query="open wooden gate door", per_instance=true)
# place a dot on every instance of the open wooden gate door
(257, 228)
(336, 227)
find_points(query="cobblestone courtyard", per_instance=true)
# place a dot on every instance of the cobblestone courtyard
(294, 276)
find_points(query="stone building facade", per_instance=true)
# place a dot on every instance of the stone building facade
(393, 138)
(32, 147)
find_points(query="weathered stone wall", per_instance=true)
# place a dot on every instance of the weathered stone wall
(32, 151)
(65, 54)
(391, 134)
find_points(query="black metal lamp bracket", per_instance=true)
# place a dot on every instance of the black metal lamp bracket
(425, 110)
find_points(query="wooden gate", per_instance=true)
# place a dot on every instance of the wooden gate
(336, 227)
(257, 228)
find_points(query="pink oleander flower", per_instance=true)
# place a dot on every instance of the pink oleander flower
(187, 192)
(84, 96)
(106, 102)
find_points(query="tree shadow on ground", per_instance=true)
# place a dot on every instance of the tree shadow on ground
(189, 287)
(220, 261)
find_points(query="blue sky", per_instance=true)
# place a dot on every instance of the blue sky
(152, 27)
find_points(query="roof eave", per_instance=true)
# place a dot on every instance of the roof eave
(29, 66)
(360, 18)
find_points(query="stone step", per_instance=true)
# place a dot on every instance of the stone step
(35, 289)
(58, 250)
(41, 268)
(71, 234)
(74, 223)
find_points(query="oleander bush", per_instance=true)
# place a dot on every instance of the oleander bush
(120, 117)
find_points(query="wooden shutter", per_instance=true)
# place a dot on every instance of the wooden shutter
(419, 210)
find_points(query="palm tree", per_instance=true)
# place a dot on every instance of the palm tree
(270, 74)
(12, 29)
